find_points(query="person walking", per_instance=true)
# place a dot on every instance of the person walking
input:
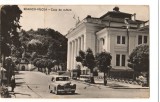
(13, 83)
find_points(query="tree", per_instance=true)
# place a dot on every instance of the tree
(40, 64)
(139, 59)
(10, 15)
(49, 65)
(103, 62)
(52, 50)
(35, 45)
(87, 59)
(35, 63)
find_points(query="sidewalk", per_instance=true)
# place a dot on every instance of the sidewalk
(22, 90)
(116, 84)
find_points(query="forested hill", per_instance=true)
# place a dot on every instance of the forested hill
(45, 42)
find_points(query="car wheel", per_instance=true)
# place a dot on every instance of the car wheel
(73, 92)
(56, 91)
(50, 90)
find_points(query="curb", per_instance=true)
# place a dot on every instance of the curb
(122, 86)
(129, 88)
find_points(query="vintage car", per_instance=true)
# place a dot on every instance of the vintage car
(61, 84)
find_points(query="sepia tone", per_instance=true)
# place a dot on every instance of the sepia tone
(75, 51)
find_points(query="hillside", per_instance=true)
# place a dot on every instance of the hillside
(45, 42)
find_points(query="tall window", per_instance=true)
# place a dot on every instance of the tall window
(145, 39)
(117, 60)
(121, 39)
(118, 39)
(142, 39)
(139, 39)
(120, 60)
(103, 41)
(123, 60)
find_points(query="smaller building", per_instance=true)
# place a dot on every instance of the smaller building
(23, 65)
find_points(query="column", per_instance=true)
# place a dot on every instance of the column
(75, 53)
(100, 45)
(82, 43)
(97, 46)
(72, 55)
(78, 47)
(68, 56)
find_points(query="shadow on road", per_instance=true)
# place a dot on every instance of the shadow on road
(68, 93)
(117, 85)
(20, 94)
(18, 73)
(19, 83)
(33, 69)
(19, 78)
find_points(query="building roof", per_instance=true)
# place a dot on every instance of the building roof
(116, 14)
(112, 16)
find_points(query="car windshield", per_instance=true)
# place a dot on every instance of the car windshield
(62, 78)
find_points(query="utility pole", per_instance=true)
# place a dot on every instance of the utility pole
(126, 21)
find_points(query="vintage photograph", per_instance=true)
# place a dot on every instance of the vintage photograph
(74, 51)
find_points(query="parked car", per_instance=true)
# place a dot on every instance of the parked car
(61, 84)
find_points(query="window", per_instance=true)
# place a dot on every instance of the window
(117, 60)
(121, 39)
(123, 60)
(139, 39)
(62, 78)
(118, 39)
(120, 60)
(142, 39)
(145, 39)
(103, 41)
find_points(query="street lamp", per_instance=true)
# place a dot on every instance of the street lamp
(126, 21)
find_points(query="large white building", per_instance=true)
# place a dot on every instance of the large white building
(116, 32)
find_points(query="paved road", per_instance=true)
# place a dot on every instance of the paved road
(35, 85)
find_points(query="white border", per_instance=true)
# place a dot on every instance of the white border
(153, 43)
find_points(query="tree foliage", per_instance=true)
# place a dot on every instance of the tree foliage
(87, 59)
(139, 59)
(35, 45)
(52, 43)
(10, 15)
(90, 59)
(43, 63)
(103, 61)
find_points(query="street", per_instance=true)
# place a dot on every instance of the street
(35, 85)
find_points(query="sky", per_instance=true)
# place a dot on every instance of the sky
(61, 18)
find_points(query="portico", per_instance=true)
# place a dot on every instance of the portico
(74, 46)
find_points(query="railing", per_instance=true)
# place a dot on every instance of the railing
(144, 24)
(89, 20)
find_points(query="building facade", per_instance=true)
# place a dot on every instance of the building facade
(115, 32)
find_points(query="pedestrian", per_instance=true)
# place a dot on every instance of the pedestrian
(13, 83)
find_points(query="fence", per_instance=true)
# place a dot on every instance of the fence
(121, 74)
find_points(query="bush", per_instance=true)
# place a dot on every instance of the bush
(121, 74)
